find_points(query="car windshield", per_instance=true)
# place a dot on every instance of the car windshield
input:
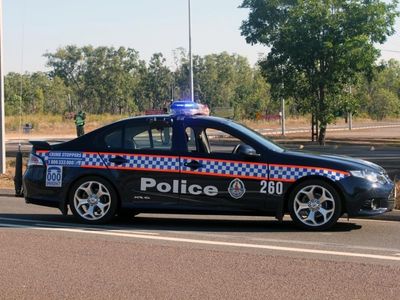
(257, 136)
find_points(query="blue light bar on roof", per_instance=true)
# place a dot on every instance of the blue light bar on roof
(189, 108)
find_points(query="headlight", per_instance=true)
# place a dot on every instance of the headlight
(370, 176)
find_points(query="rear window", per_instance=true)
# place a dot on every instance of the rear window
(113, 139)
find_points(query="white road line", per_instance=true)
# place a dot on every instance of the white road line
(137, 231)
(62, 225)
(393, 222)
(213, 243)
(379, 158)
(97, 229)
(24, 220)
(327, 244)
(119, 230)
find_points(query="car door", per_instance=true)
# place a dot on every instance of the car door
(216, 179)
(141, 158)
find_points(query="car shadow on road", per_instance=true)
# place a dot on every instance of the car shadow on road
(184, 223)
(224, 225)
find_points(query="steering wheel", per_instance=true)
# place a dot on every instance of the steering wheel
(234, 151)
(131, 144)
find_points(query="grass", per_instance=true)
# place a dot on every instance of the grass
(7, 179)
(58, 125)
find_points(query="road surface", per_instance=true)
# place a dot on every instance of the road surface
(47, 256)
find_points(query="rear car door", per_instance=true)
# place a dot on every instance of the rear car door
(140, 155)
(214, 177)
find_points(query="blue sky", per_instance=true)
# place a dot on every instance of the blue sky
(147, 26)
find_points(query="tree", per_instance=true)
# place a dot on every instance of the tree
(68, 63)
(34, 93)
(158, 81)
(110, 78)
(318, 47)
(224, 82)
(380, 95)
(102, 79)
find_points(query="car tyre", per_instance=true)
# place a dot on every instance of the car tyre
(93, 200)
(314, 205)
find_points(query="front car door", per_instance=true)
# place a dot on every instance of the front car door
(215, 178)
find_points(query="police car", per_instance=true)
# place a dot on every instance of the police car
(188, 162)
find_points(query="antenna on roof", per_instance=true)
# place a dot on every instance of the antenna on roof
(2, 115)
(190, 53)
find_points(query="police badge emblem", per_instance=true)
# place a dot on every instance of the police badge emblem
(236, 188)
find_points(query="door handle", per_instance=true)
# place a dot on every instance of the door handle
(194, 165)
(118, 160)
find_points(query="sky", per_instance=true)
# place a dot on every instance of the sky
(34, 27)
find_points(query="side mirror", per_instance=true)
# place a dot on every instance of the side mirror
(247, 151)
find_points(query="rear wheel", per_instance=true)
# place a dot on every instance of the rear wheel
(93, 200)
(314, 205)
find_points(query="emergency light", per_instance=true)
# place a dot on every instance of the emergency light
(189, 108)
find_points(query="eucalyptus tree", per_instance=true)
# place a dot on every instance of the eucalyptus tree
(317, 48)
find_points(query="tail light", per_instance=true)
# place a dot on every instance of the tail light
(35, 160)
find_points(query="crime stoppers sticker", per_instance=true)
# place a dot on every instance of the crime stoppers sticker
(54, 176)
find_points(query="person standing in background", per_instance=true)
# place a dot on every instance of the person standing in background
(80, 123)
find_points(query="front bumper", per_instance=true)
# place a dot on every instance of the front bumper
(363, 198)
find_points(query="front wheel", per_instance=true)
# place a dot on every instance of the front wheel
(93, 200)
(314, 205)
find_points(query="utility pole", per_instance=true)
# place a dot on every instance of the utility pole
(350, 115)
(190, 53)
(2, 118)
(282, 113)
(283, 117)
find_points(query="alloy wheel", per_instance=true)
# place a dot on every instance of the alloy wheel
(92, 200)
(314, 205)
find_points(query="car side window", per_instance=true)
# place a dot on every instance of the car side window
(113, 139)
(220, 141)
(136, 137)
(161, 138)
(212, 141)
(191, 140)
(157, 136)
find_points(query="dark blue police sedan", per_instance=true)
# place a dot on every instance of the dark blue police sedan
(199, 164)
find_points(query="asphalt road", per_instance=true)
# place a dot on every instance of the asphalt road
(44, 255)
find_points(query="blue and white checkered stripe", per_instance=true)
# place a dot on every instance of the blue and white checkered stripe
(210, 167)
(228, 168)
(156, 163)
(291, 173)
(92, 160)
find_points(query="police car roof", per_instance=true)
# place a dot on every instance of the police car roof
(209, 118)
(202, 117)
